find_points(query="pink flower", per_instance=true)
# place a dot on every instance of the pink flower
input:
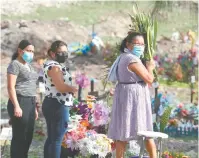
(82, 80)
(180, 105)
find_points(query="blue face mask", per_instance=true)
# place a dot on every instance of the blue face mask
(27, 57)
(138, 51)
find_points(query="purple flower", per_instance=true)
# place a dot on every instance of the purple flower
(83, 110)
(101, 114)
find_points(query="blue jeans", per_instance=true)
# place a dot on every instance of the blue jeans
(57, 116)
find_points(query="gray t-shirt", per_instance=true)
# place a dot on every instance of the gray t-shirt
(26, 78)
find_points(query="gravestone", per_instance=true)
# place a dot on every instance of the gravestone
(92, 92)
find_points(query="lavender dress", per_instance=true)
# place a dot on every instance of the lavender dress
(131, 110)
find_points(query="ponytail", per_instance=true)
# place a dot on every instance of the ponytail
(123, 45)
(23, 44)
(14, 56)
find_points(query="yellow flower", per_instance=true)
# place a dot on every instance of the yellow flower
(90, 105)
(64, 145)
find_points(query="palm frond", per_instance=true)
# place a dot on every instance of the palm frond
(143, 23)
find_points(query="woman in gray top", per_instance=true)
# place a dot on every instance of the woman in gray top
(131, 111)
(21, 83)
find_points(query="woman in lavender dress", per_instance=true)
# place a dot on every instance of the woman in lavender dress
(131, 111)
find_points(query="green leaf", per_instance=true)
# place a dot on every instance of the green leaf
(155, 34)
(151, 40)
(134, 10)
(75, 101)
(155, 74)
(148, 42)
(165, 118)
(132, 18)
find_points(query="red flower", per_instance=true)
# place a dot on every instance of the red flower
(184, 112)
(113, 146)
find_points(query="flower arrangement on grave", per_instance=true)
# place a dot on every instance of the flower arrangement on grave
(180, 68)
(173, 122)
(95, 144)
(186, 111)
(82, 136)
(172, 112)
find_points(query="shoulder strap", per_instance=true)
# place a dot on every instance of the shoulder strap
(117, 74)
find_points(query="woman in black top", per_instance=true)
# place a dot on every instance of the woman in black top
(21, 85)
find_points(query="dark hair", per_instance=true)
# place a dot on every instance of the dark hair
(49, 50)
(23, 44)
(131, 36)
(55, 45)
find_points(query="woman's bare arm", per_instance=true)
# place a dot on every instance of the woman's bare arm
(11, 82)
(144, 73)
(57, 79)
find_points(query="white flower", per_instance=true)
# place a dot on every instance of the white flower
(72, 144)
(75, 118)
(72, 127)
(95, 144)
(134, 147)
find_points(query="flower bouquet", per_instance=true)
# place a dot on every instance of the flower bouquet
(87, 142)
(77, 128)
(95, 144)
(82, 137)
